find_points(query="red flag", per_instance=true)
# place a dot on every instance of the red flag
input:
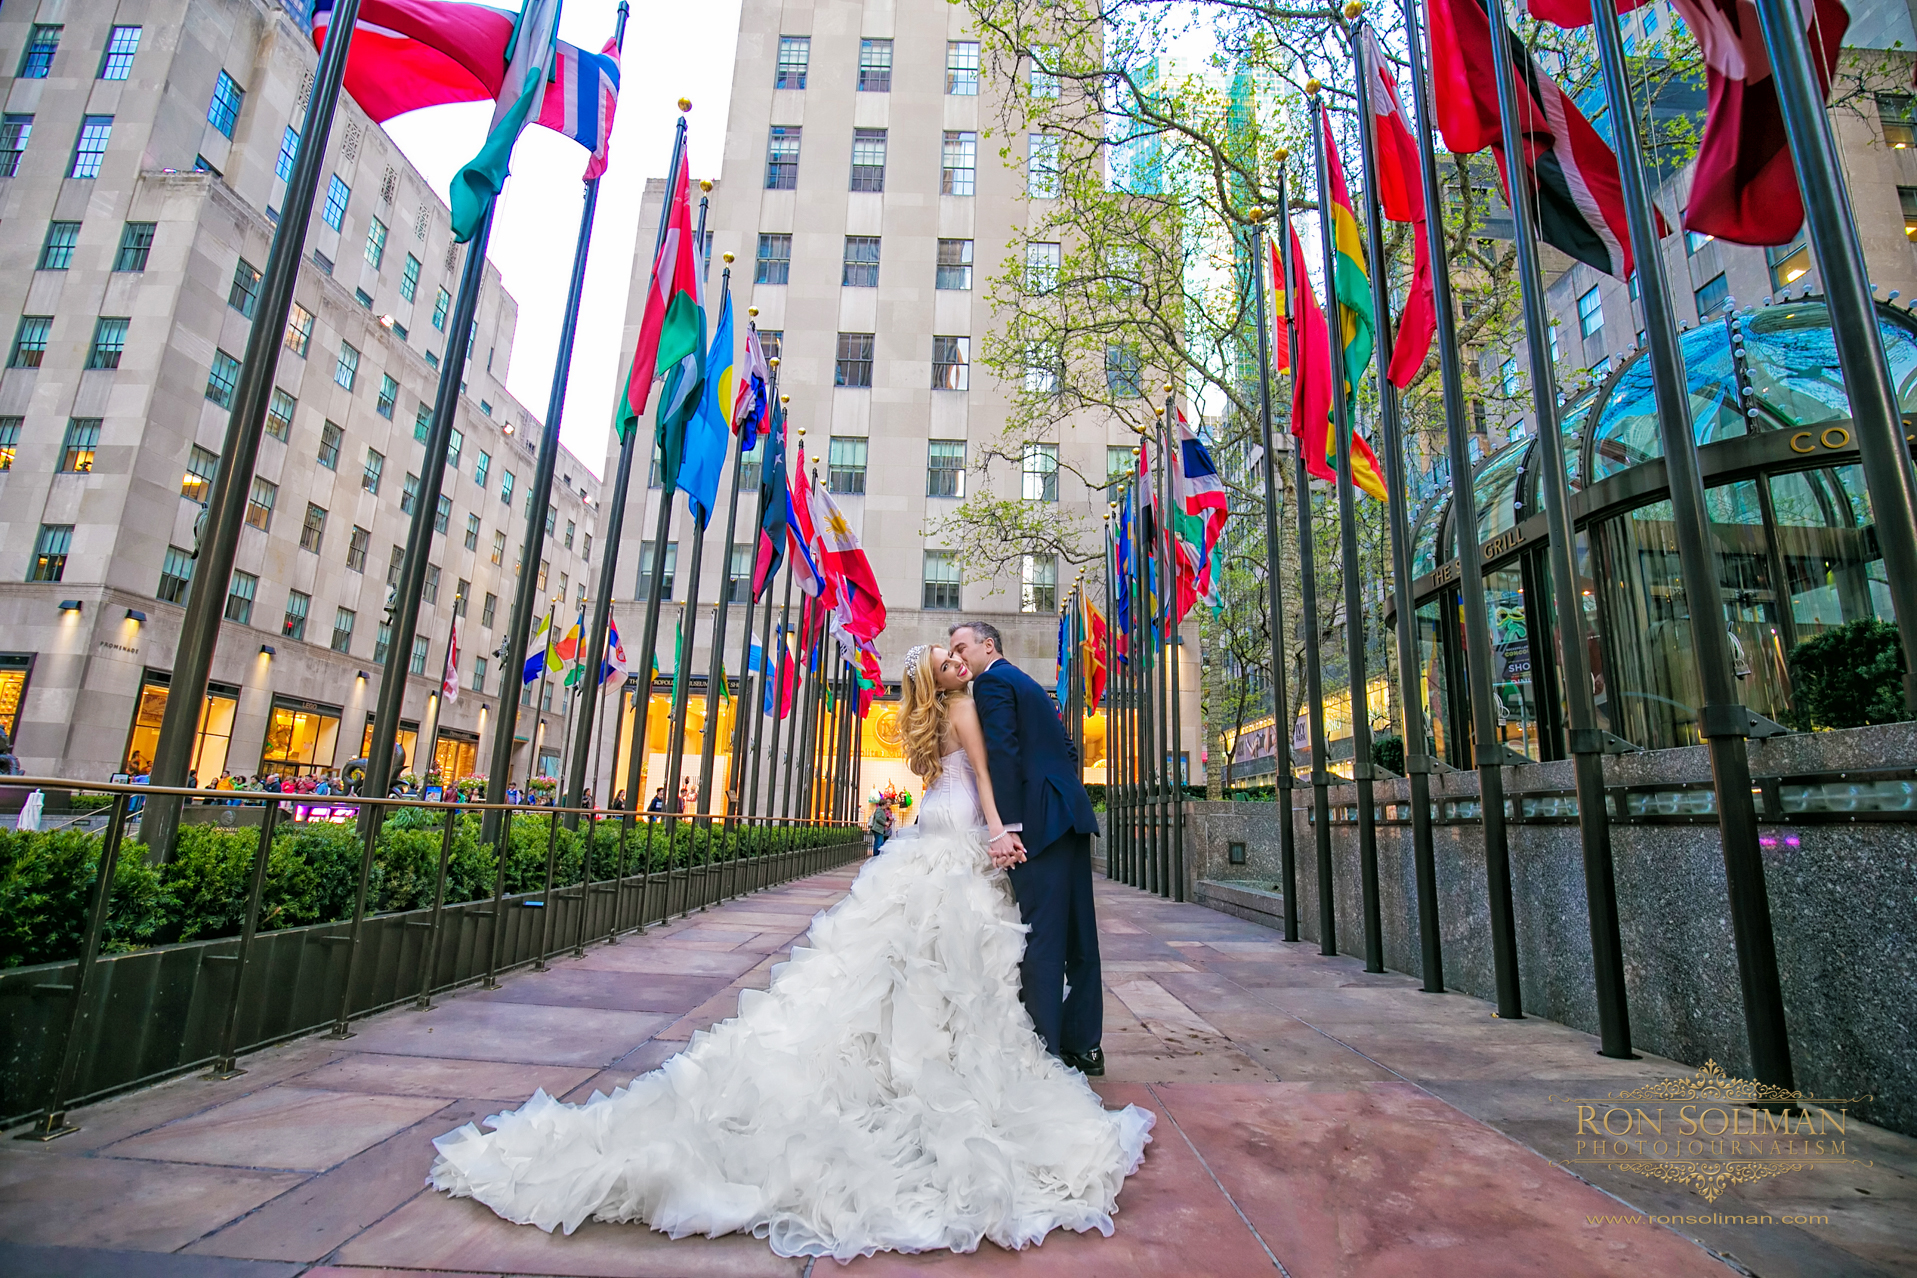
(409, 54)
(1281, 312)
(1311, 380)
(674, 271)
(1401, 195)
(1580, 201)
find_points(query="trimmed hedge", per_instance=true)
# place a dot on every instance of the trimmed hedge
(312, 874)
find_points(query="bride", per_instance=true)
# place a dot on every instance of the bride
(886, 1093)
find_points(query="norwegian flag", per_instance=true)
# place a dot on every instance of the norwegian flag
(581, 98)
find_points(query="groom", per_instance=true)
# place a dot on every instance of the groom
(1047, 846)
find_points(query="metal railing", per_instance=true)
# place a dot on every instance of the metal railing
(82, 1028)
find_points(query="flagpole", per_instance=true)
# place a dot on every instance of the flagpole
(1274, 596)
(1154, 699)
(745, 709)
(1490, 753)
(1167, 629)
(1113, 835)
(767, 755)
(1417, 764)
(709, 747)
(1876, 421)
(1180, 770)
(1314, 667)
(1355, 672)
(233, 480)
(637, 759)
(539, 700)
(445, 668)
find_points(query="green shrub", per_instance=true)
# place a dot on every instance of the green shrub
(1388, 753)
(207, 880)
(46, 891)
(1848, 676)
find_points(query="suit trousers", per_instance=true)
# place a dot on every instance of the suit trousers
(1054, 892)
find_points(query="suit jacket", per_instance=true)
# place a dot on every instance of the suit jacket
(1036, 780)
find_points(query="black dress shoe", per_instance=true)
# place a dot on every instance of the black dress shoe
(1091, 1064)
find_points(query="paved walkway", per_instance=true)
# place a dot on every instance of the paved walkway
(1314, 1121)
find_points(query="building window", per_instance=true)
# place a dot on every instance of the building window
(289, 151)
(9, 441)
(324, 263)
(109, 341)
(37, 59)
(418, 663)
(782, 158)
(429, 588)
(443, 513)
(1791, 262)
(795, 52)
(259, 503)
(337, 194)
(343, 622)
(481, 466)
(1712, 296)
(572, 531)
(224, 111)
(1692, 243)
(945, 468)
(244, 294)
(299, 330)
(955, 264)
(1897, 113)
(375, 467)
(314, 529)
(1124, 376)
(854, 364)
(861, 268)
(329, 446)
(409, 278)
(499, 547)
(1044, 82)
(961, 68)
(774, 263)
(89, 149)
(376, 243)
(50, 553)
(239, 597)
(1907, 197)
(136, 243)
(552, 515)
(487, 609)
(298, 603)
(1555, 355)
(14, 132)
(57, 253)
(868, 159)
(1042, 265)
(942, 587)
(442, 302)
(1041, 167)
(645, 569)
(1590, 313)
(382, 642)
(346, 371)
(479, 675)
(951, 363)
(176, 574)
(1043, 369)
(30, 341)
(356, 545)
(845, 464)
(462, 596)
(117, 62)
(1119, 459)
(201, 466)
(958, 171)
(1038, 584)
(221, 378)
(1508, 376)
(409, 494)
(772, 342)
(875, 66)
(81, 443)
(506, 487)
(739, 574)
(1039, 469)
(472, 532)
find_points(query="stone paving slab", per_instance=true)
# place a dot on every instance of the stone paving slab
(1314, 1120)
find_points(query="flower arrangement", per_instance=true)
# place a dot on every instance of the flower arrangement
(544, 785)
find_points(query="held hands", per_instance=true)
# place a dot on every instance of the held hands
(1006, 849)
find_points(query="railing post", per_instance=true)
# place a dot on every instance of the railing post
(585, 886)
(429, 955)
(225, 1065)
(53, 1122)
(619, 882)
(545, 898)
(498, 913)
(352, 938)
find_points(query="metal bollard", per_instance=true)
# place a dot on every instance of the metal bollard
(352, 938)
(429, 957)
(225, 1065)
(53, 1122)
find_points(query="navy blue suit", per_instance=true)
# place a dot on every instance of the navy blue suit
(1036, 784)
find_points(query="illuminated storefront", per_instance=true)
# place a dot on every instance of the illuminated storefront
(15, 667)
(209, 747)
(302, 737)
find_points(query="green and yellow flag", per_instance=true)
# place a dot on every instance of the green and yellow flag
(1357, 323)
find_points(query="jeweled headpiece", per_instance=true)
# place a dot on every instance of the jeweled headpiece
(912, 657)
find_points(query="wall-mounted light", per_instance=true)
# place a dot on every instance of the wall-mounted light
(364, 676)
(267, 650)
(69, 605)
(508, 428)
(136, 616)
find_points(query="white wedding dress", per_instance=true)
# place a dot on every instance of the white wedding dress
(886, 1093)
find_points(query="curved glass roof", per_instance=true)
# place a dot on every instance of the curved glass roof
(1627, 431)
(1424, 537)
(1794, 372)
(1496, 485)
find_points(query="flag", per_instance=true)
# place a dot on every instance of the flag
(1122, 592)
(544, 658)
(1196, 481)
(1199, 496)
(409, 54)
(1350, 283)
(1097, 654)
(1060, 692)
(774, 502)
(799, 525)
(1311, 380)
(612, 668)
(754, 396)
(521, 92)
(866, 676)
(449, 682)
(667, 330)
(778, 681)
(1280, 313)
(709, 429)
(678, 654)
(1400, 190)
(568, 645)
(581, 99)
(859, 607)
(1580, 201)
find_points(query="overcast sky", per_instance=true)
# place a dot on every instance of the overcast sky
(671, 52)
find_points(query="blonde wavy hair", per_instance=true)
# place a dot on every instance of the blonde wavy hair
(925, 717)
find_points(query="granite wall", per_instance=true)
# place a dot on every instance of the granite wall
(1843, 904)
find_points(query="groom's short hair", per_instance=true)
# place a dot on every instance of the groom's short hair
(985, 630)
